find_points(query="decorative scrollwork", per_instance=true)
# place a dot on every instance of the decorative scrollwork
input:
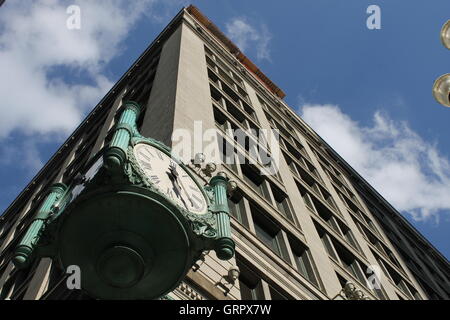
(133, 171)
(202, 225)
(210, 193)
(203, 229)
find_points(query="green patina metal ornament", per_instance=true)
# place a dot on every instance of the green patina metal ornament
(131, 238)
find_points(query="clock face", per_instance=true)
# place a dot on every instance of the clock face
(170, 178)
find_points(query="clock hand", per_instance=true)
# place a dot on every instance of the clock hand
(185, 192)
(176, 187)
(173, 170)
(175, 184)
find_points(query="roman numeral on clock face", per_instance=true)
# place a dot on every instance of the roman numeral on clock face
(169, 192)
(146, 165)
(146, 154)
(196, 204)
(155, 179)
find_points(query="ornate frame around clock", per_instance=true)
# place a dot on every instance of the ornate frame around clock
(100, 222)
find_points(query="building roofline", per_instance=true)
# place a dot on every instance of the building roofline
(234, 50)
(279, 93)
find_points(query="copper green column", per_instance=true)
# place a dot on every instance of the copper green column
(224, 244)
(116, 153)
(24, 251)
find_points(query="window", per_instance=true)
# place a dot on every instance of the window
(293, 151)
(303, 261)
(327, 243)
(348, 235)
(213, 77)
(351, 266)
(249, 111)
(352, 196)
(254, 179)
(219, 117)
(230, 93)
(237, 208)
(249, 290)
(210, 63)
(82, 155)
(377, 243)
(309, 180)
(235, 112)
(223, 65)
(312, 169)
(227, 154)
(370, 223)
(290, 163)
(235, 77)
(393, 259)
(276, 295)
(333, 178)
(208, 51)
(268, 232)
(399, 281)
(327, 216)
(215, 94)
(226, 77)
(282, 202)
(15, 285)
(339, 253)
(242, 93)
(269, 237)
(249, 283)
(403, 287)
(350, 263)
(306, 197)
(229, 83)
(342, 280)
(262, 102)
(328, 198)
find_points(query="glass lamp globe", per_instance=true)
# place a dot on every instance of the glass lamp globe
(441, 90)
(445, 35)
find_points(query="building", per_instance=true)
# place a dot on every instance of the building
(302, 233)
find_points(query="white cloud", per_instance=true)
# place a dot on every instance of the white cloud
(245, 36)
(34, 42)
(407, 170)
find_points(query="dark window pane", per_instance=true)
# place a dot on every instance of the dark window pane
(276, 295)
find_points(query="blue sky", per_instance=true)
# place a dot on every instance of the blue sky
(377, 83)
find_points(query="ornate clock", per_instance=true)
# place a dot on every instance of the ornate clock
(134, 221)
(170, 177)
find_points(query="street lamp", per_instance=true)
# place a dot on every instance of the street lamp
(441, 87)
(441, 90)
(445, 35)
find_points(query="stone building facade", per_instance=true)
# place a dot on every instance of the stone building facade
(301, 233)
